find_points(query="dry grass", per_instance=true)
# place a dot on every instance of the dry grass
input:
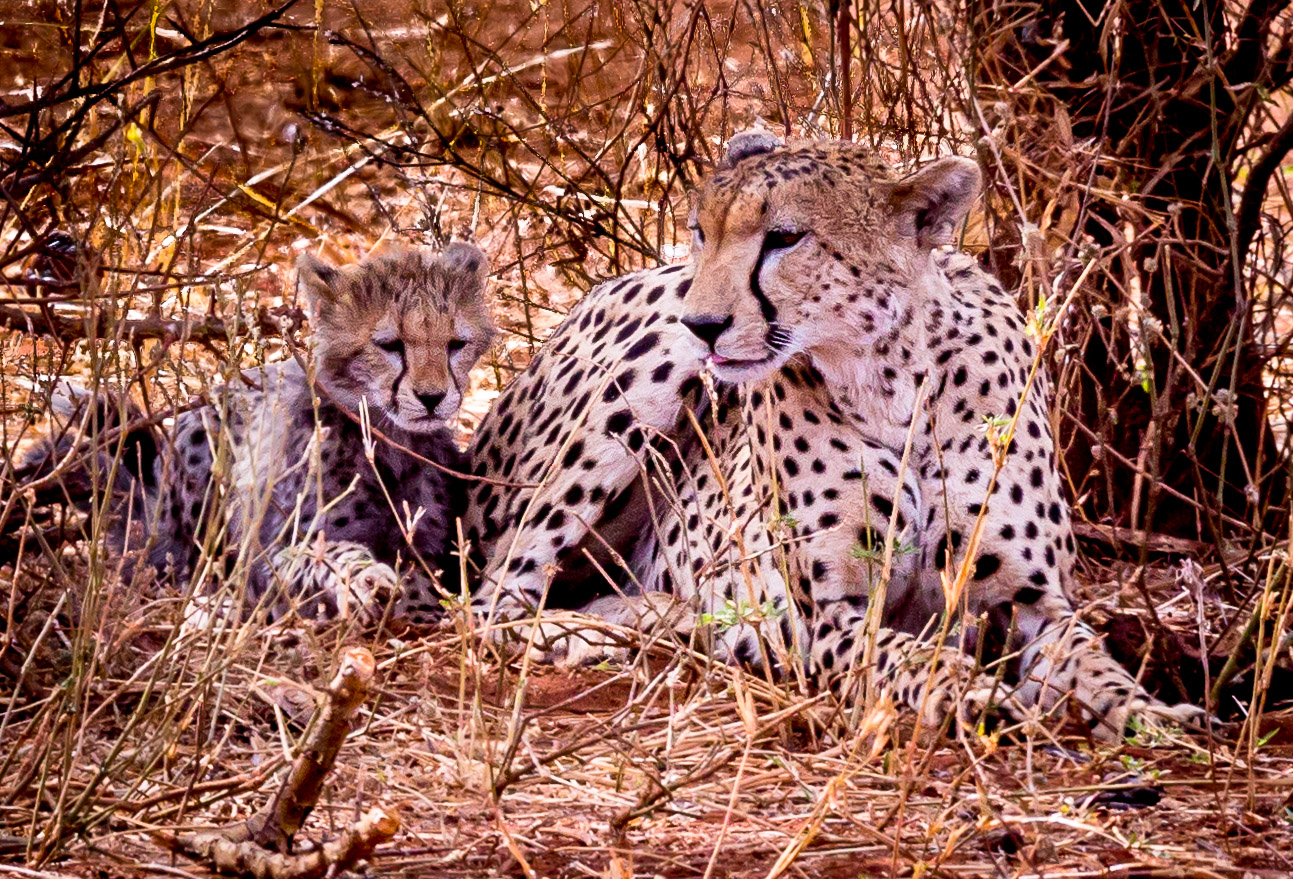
(563, 139)
(670, 767)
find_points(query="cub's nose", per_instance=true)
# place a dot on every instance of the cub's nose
(707, 327)
(430, 401)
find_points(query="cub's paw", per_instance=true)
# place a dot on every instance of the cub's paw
(325, 581)
(354, 592)
(366, 592)
(207, 613)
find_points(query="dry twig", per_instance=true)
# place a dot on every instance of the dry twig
(261, 845)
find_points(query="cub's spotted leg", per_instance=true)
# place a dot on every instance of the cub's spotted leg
(321, 580)
(186, 492)
(327, 580)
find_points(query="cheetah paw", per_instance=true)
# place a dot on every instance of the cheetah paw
(359, 596)
(984, 699)
(1153, 714)
(207, 613)
(575, 646)
(565, 639)
(597, 633)
(548, 641)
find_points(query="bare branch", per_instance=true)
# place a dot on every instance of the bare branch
(100, 325)
(1248, 217)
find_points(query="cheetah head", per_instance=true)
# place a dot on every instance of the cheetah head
(815, 248)
(401, 330)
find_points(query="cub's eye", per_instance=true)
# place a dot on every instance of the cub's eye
(782, 239)
(394, 346)
(456, 345)
(697, 236)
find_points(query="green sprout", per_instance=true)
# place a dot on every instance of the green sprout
(734, 613)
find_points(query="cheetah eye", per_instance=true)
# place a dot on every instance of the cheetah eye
(394, 345)
(781, 239)
(456, 345)
(697, 238)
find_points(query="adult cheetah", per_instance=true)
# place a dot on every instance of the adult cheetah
(875, 432)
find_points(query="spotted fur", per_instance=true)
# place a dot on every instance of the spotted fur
(851, 446)
(275, 474)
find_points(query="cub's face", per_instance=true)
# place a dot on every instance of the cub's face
(815, 248)
(401, 330)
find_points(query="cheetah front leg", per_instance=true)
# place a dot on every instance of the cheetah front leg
(325, 580)
(587, 477)
(936, 683)
(1065, 663)
(549, 524)
(860, 548)
(555, 518)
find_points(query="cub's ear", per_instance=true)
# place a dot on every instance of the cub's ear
(931, 203)
(748, 143)
(465, 259)
(320, 280)
(467, 267)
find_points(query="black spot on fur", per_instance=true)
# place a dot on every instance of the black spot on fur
(1028, 595)
(619, 422)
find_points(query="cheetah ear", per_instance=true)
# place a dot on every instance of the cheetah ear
(468, 267)
(321, 281)
(931, 203)
(748, 143)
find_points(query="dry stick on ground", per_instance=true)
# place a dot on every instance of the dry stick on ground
(260, 846)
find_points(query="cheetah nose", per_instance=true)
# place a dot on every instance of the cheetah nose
(430, 401)
(707, 327)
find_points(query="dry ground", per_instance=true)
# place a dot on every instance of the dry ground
(667, 768)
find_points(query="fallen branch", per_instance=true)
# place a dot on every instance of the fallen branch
(246, 858)
(99, 325)
(261, 846)
(1112, 535)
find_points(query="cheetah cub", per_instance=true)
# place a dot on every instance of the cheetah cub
(275, 473)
